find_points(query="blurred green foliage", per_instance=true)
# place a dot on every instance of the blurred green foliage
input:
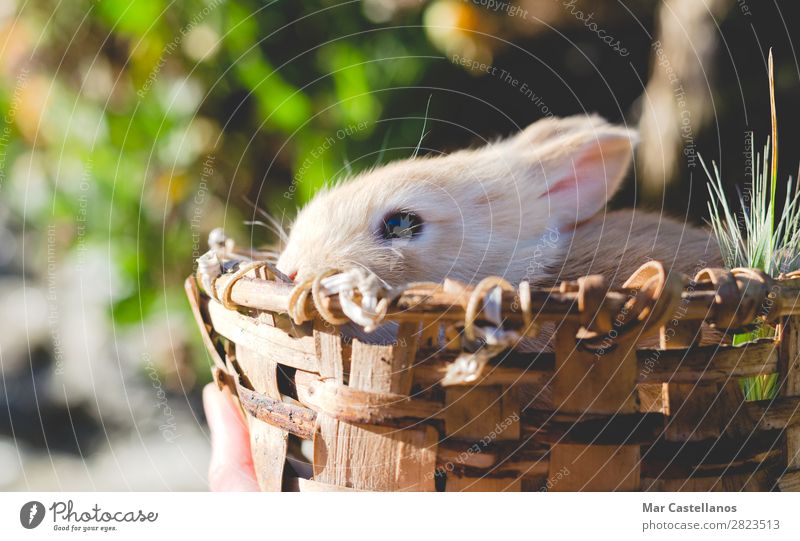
(125, 100)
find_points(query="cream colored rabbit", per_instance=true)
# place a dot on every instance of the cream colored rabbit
(530, 207)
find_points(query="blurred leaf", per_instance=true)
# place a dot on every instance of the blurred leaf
(241, 29)
(310, 164)
(132, 16)
(280, 104)
(353, 91)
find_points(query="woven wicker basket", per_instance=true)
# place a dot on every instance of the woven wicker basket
(597, 410)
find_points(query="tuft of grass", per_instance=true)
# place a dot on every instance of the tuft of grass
(752, 238)
(757, 236)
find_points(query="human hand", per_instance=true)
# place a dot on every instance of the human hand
(231, 468)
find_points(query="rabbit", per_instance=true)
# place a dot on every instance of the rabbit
(530, 207)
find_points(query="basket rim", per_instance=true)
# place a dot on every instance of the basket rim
(728, 299)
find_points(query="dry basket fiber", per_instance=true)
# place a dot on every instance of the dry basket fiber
(596, 410)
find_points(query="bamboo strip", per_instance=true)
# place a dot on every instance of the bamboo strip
(357, 406)
(268, 443)
(789, 386)
(425, 304)
(698, 364)
(272, 343)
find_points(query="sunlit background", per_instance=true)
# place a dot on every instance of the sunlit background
(131, 128)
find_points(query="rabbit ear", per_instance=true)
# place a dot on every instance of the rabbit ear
(547, 129)
(581, 167)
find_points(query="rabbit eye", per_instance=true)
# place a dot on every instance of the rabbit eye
(401, 225)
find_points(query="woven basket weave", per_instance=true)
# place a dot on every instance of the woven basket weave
(625, 397)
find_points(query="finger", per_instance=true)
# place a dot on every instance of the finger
(231, 467)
